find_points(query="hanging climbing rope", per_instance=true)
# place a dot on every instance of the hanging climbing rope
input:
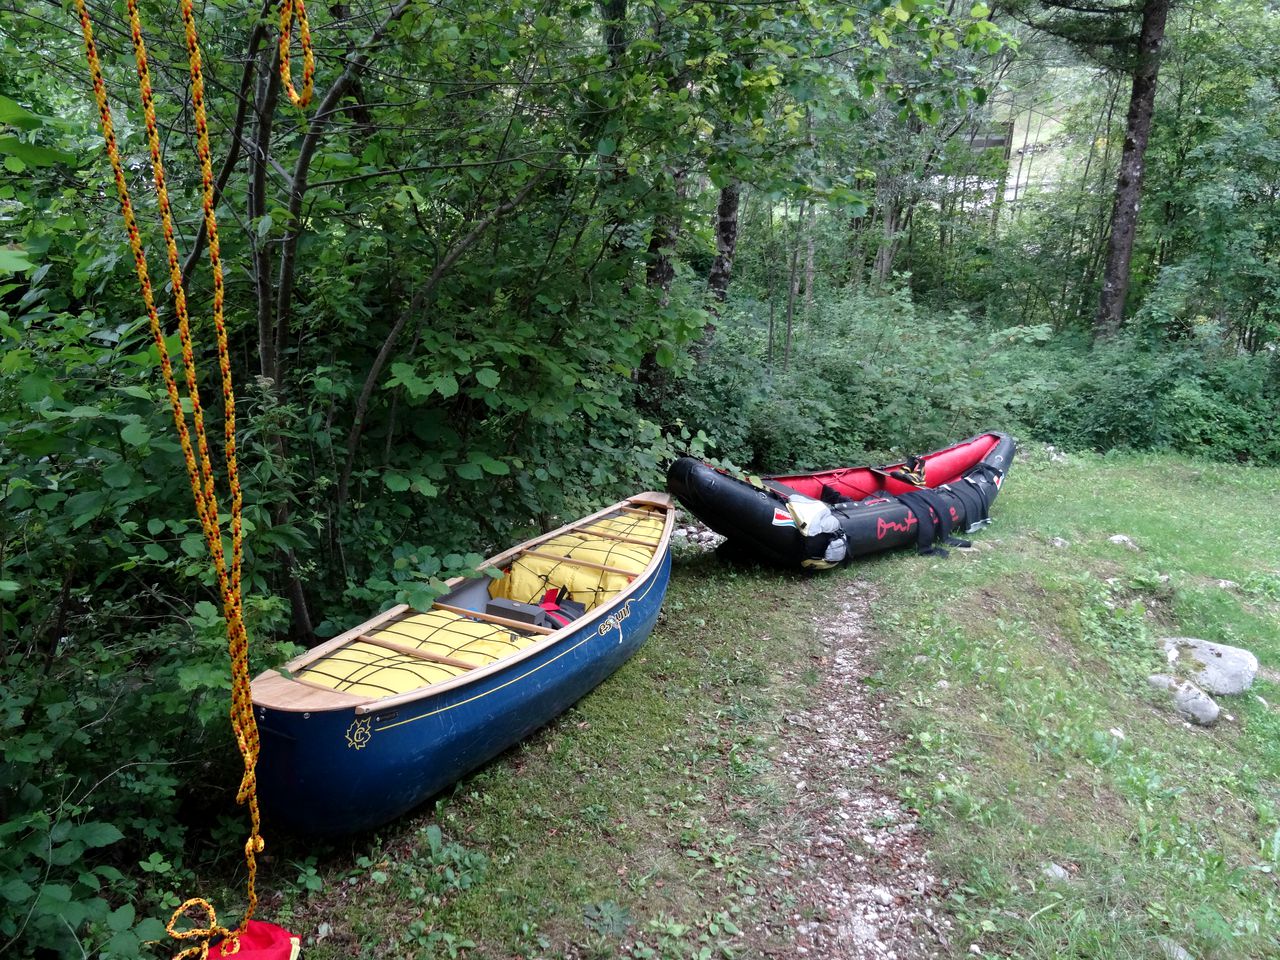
(198, 461)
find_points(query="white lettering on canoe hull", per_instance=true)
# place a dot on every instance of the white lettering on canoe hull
(614, 621)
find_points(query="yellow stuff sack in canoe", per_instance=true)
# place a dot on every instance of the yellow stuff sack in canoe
(551, 566)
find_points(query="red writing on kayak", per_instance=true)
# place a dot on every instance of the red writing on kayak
(883, 526)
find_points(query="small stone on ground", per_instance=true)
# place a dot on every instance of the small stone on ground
(1215, 667)
(1188, 699)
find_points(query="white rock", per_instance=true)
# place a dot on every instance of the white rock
(1217, 667)
(1122, 540)
(1188, 699)
(1059, 543)
(1228, 585)
(1055, 871)
(1172, 950)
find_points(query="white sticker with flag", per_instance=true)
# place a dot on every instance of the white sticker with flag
(783, 518)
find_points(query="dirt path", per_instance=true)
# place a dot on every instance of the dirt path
(853, 860)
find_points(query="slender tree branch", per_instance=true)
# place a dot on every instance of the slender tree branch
(316, 129)
(237, 130)
(415, 306)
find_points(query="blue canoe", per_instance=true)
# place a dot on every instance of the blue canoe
(370, 724)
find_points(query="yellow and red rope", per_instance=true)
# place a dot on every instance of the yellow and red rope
(197, 457)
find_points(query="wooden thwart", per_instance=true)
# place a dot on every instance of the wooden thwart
(620, 539)
(491, 618)
(638, 511)
(415, 652)
(574, 561)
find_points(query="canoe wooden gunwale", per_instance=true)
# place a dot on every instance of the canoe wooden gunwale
(658, 505)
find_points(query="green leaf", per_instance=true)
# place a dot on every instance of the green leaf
(9, 589)
(207, 612)
(396, 482)
(14, 260)
(155, 526)
(55, 893)
(446, 385)
(488, 377)
(34, 387)
(469, 471)
(85, 507)
(16, 890)
(14, 115)
(67, 853)
(424, 486)
(496, 467)
(156, 552)
(149, 928)
(118, 475)
(123, 944)
(98, 834)
(403, 374)
(121, 919)
(135, 434)
(32, 155)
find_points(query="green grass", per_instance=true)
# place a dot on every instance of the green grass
(1015, 762)
(640, 824)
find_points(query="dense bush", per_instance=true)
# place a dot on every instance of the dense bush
(878, 376)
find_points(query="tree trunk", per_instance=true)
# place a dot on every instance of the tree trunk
(810, 270)
(793, 285)
(769, 275)
(1124, 215)
(259, 150)
(888, 251)
(662, 241)
(726, 242)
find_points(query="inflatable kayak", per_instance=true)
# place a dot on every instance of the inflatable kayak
(820, 520)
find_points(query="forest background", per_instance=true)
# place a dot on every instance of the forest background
(518, 256)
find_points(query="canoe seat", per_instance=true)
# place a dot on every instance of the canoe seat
(531, 575)
(372, 670)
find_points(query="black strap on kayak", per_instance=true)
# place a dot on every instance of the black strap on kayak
(987, 470)
(933, 521)
(975, 502)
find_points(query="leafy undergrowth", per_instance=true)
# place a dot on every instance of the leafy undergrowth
(1032, 738)
(630, 826)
